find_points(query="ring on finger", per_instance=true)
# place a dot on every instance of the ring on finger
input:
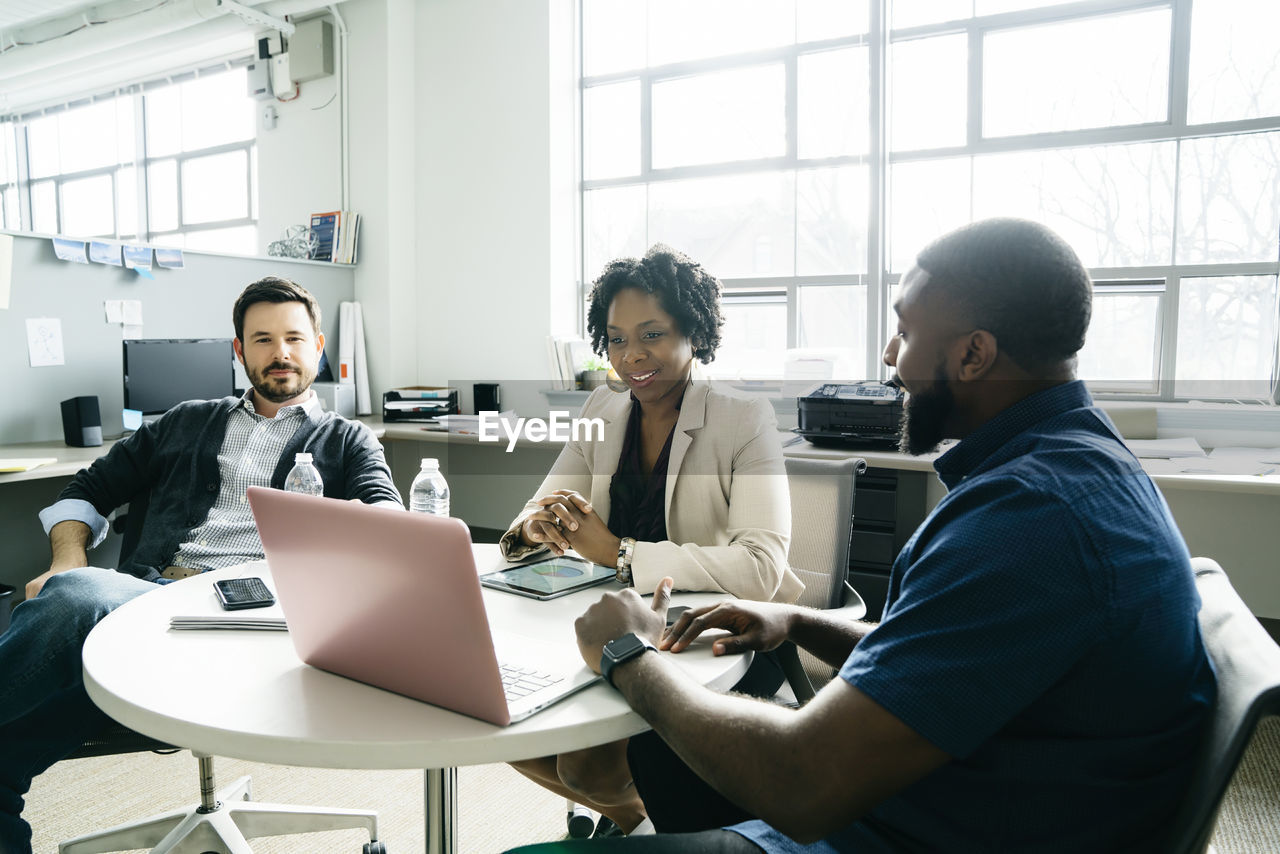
(556, 520)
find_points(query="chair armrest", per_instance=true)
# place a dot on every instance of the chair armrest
(852, 609)
(789, 658)
(851, 605)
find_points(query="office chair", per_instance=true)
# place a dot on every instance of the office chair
(821, 527)
(1247, 663)
(822, 500)
(222, 820)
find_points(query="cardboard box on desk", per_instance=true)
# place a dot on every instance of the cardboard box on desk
(419, 403)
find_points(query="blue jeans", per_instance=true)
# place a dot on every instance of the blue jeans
(44, 711)
(706, 842)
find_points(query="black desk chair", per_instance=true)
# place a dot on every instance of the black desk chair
(1247, 662)
(222, 820)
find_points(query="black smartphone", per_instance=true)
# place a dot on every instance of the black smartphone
(674, 612)
(238, 593)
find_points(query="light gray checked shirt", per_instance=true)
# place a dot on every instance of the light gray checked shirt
(250, 450)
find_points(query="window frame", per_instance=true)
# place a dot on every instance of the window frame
(141, 163)
(878, 277)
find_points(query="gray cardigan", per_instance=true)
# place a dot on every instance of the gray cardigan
(171, 466)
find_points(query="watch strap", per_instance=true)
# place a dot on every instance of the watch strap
(620, 650)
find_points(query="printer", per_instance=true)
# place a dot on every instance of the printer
(860, 414)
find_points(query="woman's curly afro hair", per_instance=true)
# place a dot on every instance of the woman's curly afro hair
(685, 291)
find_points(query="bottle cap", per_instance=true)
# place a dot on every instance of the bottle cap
(302, 458)
(430, 463)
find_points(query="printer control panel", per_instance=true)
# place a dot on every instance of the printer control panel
(870, 390)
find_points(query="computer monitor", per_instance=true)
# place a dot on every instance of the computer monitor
(160, 373)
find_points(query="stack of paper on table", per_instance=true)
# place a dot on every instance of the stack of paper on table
(1259, 455)
(243, 621)
(1207, 465)
(471, 423)
(1185, 456)
(270, 618)
(1165, 449)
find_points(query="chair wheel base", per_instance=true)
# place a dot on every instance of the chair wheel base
(226, 829)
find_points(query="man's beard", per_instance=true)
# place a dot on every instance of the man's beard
(924, 415)
(275, 391)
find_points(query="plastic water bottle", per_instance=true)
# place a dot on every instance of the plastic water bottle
(304, 477)
(429, 493)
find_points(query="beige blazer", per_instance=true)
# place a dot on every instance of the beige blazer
(728, 511)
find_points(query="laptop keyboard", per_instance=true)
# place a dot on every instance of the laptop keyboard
(519, 681)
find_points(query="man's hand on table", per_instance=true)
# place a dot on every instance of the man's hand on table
(618, 613)
(758, 626)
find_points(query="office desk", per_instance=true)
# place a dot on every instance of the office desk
(1230, 518)
(69, 460)
(246, 695)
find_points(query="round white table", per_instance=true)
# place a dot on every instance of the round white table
(246, 695)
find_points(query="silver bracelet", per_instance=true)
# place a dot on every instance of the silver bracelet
(626, 548)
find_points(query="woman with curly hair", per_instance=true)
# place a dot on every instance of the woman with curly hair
(688, 482)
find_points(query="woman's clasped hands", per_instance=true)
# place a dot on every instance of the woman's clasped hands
(568, 521)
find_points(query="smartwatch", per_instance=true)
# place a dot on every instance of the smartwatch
(626, 548)
(622, 649)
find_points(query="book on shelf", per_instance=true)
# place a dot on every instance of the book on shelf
(325, 227)
(337, 236)
(567, 355)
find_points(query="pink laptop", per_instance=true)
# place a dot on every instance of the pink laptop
(393, 599)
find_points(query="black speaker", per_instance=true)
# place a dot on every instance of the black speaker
(82, 422)
(486, 397)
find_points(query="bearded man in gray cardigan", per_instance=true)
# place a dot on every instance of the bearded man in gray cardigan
(186, 475)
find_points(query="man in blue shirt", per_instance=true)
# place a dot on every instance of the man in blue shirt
(1037, 682)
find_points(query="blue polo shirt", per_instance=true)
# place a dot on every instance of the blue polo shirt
(1041, 630)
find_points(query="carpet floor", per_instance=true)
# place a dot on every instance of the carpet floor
(498, 809)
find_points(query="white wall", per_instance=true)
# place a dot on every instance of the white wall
(462, 152)
(384, 163)
(495, 248)
(298, 161)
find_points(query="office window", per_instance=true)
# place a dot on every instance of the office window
(8, 178)
(88, 206)
(172, 163)
(926, 97)
(1122, 353)
(1034, 79)
(804, 159)
(1226, 336)
(1235, 70)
